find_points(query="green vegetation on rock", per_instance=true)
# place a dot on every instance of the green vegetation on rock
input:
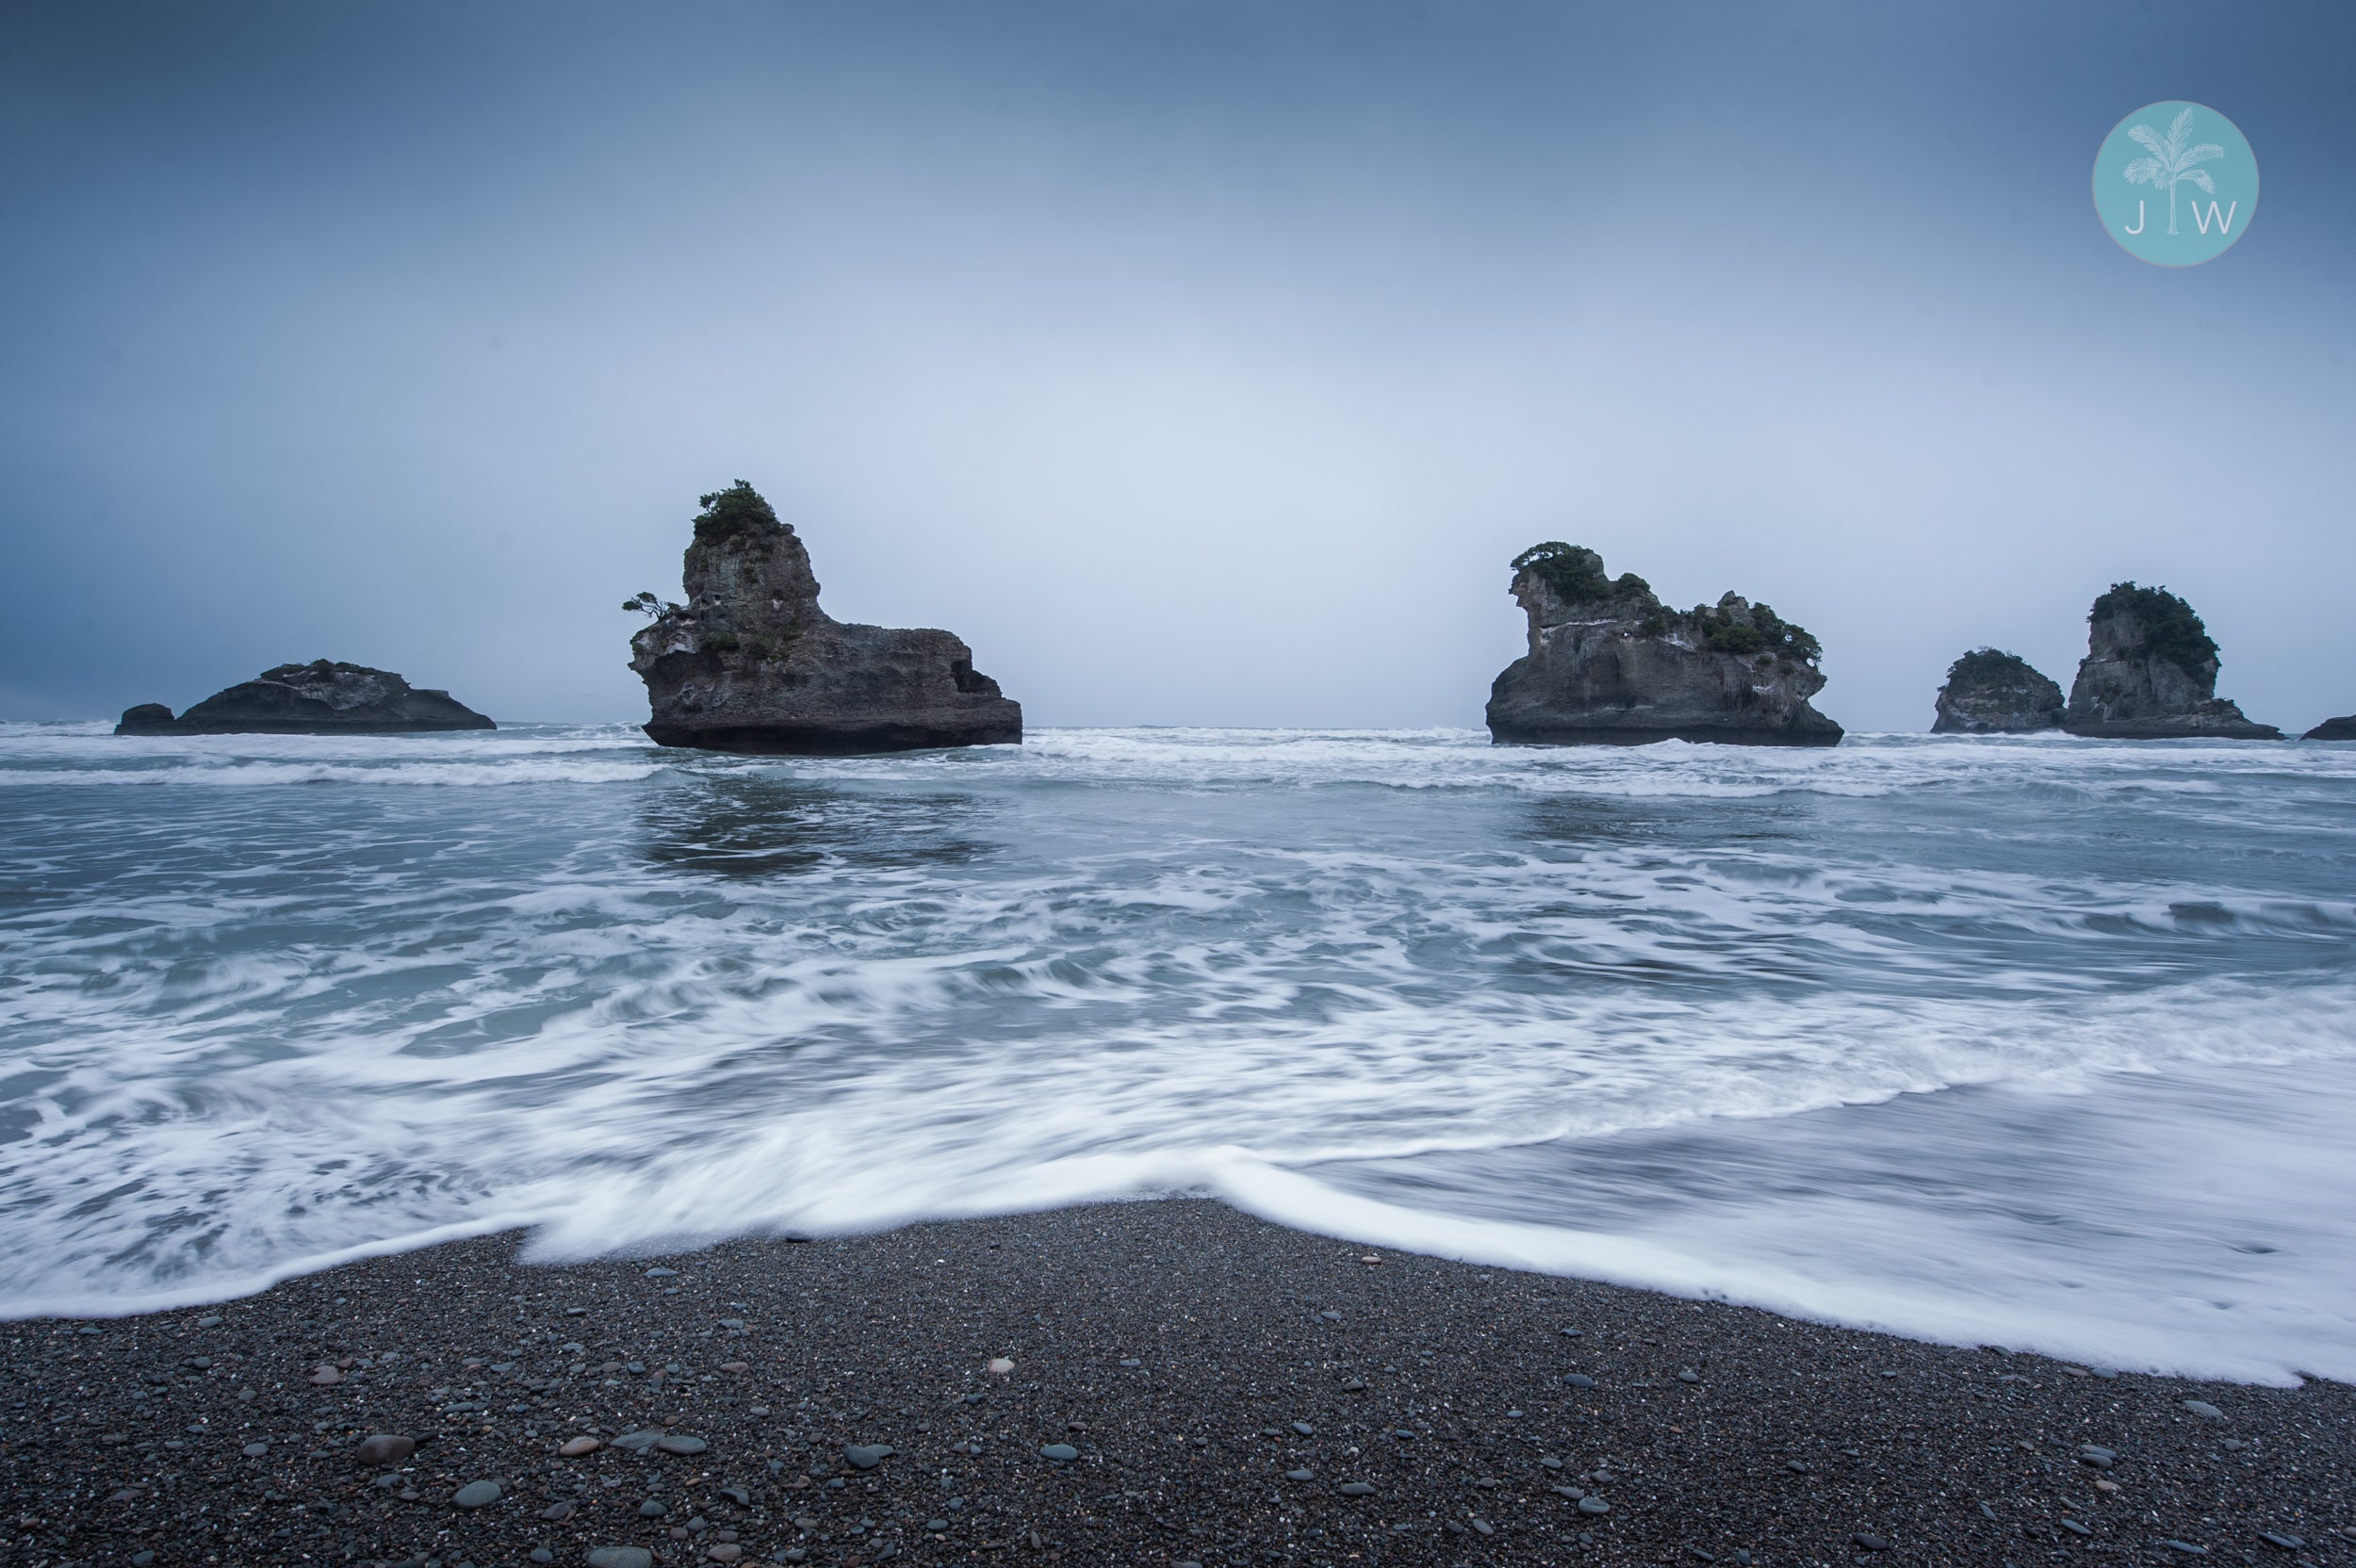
(736, 513)
(1576, 573)
(2170, 630)
(316, 666)
(1723, 630)
(1987, 667)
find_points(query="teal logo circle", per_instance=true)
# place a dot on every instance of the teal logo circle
(2175, 184)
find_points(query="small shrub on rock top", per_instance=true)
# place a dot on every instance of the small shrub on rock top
(1576, 573)
(2170, 630)
(736, 515)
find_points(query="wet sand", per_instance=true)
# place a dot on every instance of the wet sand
(1226, 1392)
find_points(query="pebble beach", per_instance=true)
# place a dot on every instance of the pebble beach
(1158, 1382)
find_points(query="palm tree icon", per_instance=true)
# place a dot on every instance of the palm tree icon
(2172, 160)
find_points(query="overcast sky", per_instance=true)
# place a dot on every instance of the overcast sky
(1196, 363)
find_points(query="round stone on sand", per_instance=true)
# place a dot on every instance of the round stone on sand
(386, 1448)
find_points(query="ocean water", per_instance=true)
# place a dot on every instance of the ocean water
(2043, 1042)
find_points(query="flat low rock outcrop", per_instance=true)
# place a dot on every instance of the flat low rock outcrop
(2333, 729)
(1610, 664)
(1993, 692)
(751, 663)
(2150, 674)
(323, 697)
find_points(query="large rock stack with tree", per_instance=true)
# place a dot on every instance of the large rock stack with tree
(2150, 674)
(750, 664)
(1991, 692)
(1610, 664)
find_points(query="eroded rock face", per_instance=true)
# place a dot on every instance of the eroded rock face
(323, 697)
(1608, 664)
(2333, 729)
(1991, 692)
(750, 664)
(2150, 673)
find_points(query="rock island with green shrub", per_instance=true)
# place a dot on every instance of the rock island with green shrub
(1992, 693)
(2150, 674)
(750, 664)
(323, 697)
(1610, 664)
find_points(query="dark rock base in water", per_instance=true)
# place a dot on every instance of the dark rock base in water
(2333, 729)
(808, 740)
(1502, 735)
(2234, 728)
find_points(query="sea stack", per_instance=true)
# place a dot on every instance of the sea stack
(750, 664)
(1991, 692)
(2150, 674)
(2333, 729)
(323, 697)
(1610, 664)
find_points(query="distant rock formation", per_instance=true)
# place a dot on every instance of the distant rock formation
(750, 664)
(1991, 692)
(1608, 664)
(2333, 729)
(2150, 674)
(323, 697)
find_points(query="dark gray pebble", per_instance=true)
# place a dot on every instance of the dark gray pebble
(1867, 1541)
(1300, 1475)
(1062, 1453)
(2203, 1407)
(1304, 1429)
(386, 1448)
(680, 1444)
(1355, 1489)
(1593, 1505)
(2076, 1528)
(476, 1495)
(867, 1456)
(620, 1557)
(1577, 1380)
(2286, 1542)
(651, 1510)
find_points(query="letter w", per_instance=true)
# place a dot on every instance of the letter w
(2224, 224)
